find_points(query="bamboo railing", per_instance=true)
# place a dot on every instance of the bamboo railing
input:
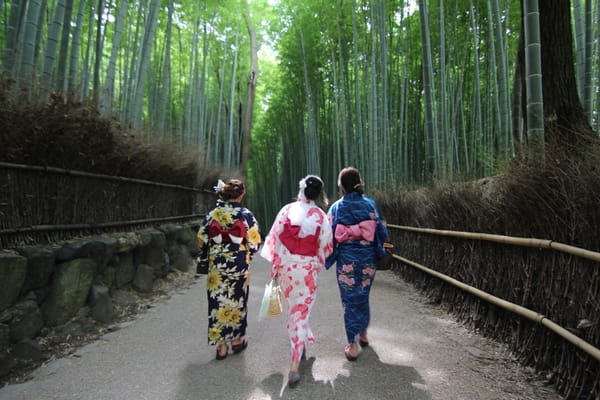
(512, 307)
(515, 241)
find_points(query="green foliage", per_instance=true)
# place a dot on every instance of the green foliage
(342, 84)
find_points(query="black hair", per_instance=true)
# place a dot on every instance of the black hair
(314, 187)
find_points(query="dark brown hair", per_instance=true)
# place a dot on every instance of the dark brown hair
(349, 180)
(233, 189)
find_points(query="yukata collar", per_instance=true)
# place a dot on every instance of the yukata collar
(353, 196)
(223, 203)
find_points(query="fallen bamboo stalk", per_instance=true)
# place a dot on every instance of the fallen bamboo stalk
(515, 308)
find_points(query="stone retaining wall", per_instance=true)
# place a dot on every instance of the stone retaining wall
(45, 287)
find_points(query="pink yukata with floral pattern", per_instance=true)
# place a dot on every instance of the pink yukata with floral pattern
(298, 267)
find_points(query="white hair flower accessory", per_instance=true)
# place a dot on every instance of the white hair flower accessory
(220, 186)
(302, 186)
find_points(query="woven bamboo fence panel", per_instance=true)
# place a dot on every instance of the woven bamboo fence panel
(563, 287)
(40, 204)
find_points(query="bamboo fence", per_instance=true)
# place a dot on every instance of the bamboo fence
(512, 307)
(41, 204)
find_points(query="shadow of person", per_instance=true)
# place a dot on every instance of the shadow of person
(275, 385)
(367, 378)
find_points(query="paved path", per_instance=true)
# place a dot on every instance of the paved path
(417, 352)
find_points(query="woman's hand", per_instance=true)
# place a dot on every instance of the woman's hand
(275, 272)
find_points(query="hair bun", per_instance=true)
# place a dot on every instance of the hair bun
(232, 189)
(314, 181)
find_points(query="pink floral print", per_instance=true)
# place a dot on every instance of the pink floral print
(297, 275)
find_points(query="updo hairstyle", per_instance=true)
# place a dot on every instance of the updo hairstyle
(314, 187)
(233, 189)
(349, 180)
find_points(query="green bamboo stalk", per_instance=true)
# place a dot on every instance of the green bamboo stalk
(533, 73)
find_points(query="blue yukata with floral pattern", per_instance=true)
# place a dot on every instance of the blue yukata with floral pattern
(228, 239)
(356, 258)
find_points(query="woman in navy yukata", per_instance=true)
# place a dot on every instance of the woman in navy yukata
(228, 239)
(359, 234)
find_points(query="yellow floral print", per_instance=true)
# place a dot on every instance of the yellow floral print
(214, 334)
(236, 316)
(254, 236)
(247, 281)
(224, 315)
(213, 280)
(228, 276)
(223, 216)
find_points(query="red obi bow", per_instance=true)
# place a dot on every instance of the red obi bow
(235, 233)
(305, 246)
(362, 230)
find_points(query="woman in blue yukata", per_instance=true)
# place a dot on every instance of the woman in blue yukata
(359, 234)
(228, 239)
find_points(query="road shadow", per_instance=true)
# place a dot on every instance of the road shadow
(368, 378)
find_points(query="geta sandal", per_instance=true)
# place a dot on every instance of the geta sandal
(293, 379)
(348, 353)
(238, 348)
(221, 356)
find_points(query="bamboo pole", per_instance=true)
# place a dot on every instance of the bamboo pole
(103, 225)
(63, 171)
(516, 241)
(515, 308)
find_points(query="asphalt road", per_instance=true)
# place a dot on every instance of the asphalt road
(417, 352)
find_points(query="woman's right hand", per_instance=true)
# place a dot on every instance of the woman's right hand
(275, 272)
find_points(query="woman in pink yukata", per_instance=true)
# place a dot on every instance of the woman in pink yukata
(299, 242)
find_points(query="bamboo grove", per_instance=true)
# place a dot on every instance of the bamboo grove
(408, 91)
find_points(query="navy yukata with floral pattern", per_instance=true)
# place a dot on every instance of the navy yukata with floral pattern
(228, 239)
(356, 256)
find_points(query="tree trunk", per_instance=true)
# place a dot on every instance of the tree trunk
(536, 149)
(75, 42)
(26, 71)
(52, 41)
(566, 127)
(63, 58)
(14, 23)
(252, 78)
(98, 56)
(109, 79)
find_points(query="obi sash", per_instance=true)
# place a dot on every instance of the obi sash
(304, 246)
(235, 234)
(364, 230)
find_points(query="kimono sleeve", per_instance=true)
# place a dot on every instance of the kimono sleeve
(270, 250)
(332, 216)
(202, 238)
(253, 237)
